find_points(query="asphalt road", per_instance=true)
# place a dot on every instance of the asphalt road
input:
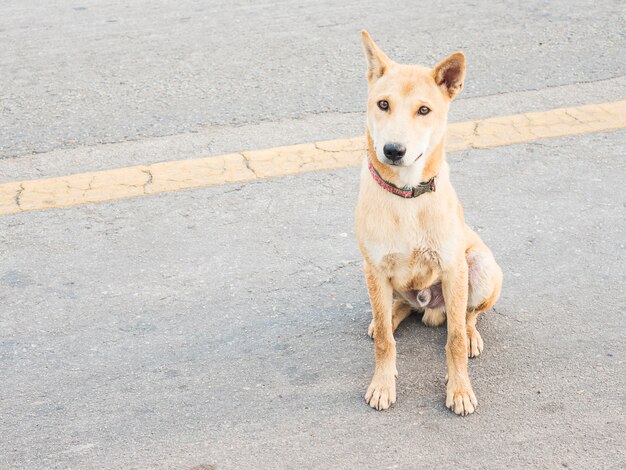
(84, 73)
(225, 327)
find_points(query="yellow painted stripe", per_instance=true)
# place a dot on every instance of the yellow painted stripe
(250, 165)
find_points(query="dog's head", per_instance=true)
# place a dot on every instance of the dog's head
(408, 105)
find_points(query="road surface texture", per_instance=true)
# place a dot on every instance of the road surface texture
(225, 327)
(222, 76)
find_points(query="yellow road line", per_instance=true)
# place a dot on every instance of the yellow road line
(250, 165)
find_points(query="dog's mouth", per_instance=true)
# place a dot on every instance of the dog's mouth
(400, 162)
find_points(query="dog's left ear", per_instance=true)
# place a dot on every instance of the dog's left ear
(449, 74)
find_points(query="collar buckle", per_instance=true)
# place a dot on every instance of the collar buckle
(425, 187)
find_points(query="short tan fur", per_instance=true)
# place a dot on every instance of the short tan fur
(409, 245)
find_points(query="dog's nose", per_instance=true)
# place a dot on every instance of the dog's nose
(394, 152)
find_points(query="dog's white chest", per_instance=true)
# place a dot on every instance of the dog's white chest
(378, 252)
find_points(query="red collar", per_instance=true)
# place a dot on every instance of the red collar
(406, 192)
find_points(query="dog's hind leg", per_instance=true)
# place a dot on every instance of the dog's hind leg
(485, 283)
(401, 310)
(475, 343)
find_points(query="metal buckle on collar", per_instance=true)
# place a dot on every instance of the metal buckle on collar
(423, 188)
(417, 191)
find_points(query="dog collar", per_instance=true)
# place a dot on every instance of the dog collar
(406, 192)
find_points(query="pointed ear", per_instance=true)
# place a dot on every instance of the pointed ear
(449, 74)
(377, 61)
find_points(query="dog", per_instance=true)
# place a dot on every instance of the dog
(419, 254)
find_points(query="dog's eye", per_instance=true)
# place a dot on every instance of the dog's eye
(383, 104)
(423, 111)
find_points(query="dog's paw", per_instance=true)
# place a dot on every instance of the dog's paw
(370, 330)
(381, 393)
(434, 317)
(475, 343)
(462, 401)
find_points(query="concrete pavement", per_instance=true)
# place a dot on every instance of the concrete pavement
(226, 326)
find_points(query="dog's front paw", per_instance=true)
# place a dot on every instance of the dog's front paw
(381, 393)
(461, 400)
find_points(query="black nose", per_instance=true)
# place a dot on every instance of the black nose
(394, 152)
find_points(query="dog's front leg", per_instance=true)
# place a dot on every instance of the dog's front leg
(381, 393)
(460, 397)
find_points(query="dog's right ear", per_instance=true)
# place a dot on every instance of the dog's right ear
(377, 61)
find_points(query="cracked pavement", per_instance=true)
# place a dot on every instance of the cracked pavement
(226, 326)
(248, 165)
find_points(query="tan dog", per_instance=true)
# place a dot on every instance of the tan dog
(418, 251)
